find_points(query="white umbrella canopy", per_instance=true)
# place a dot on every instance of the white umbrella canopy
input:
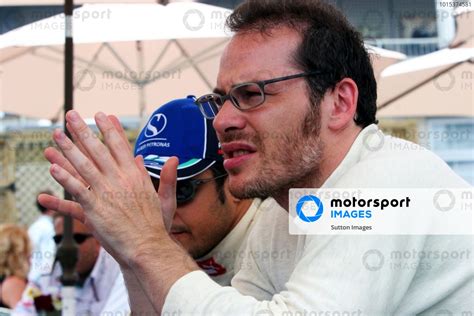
(95, 23)
(32, 77)
(434, 85)
(107, 59)
(382, 58)
(32, 83)
(439, 84)
(171, 50)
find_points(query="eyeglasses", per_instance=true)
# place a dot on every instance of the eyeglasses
(244, 96)
(78, 238)
(186, 189)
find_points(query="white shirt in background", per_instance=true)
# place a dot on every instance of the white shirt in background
(103, 292)
(41, 234)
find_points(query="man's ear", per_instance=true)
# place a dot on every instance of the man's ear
(344, 107)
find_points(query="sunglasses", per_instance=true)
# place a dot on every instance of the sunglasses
(186, 189)
(78, 238)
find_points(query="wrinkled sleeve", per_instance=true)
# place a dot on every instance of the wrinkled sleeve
(339, 274)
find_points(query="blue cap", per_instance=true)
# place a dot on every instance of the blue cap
(178, 129)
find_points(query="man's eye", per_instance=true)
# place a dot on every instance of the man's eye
(250, 93)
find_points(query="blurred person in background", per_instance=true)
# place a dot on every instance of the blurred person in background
(15, 250)
(99, 287)
(41, 233)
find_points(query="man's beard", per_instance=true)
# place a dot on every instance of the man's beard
(294, 163)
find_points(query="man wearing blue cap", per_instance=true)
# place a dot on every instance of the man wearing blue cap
(209, 222)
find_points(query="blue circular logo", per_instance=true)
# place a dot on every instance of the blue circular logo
(309, 208)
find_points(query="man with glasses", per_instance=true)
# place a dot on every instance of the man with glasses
(209, 222)
(100, 287)
(310, 131)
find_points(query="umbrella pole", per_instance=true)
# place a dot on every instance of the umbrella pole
(141, 84)
(67, 253)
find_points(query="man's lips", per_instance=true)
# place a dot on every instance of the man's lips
(236, 149)
(236, 153)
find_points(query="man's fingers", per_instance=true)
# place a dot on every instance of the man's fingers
(65, 207)
(141, 166)
(97, 151)
(54, 156)
(115, 121)
(77, 141)
(78, 160)
(75, 187)
(167, 190)
(115, 140)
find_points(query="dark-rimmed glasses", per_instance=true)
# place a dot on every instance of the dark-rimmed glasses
(186, 189)
(243, 96)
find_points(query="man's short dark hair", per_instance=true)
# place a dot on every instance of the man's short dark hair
(41, 208)
(218, 169)
(329, 44)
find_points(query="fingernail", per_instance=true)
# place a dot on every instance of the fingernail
(59, 134)
(101, 116)
(54, 168)
(73, 116)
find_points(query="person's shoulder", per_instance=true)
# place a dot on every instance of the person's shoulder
(13, 282)
(35, 225)
(271, 215)
(271, 227)
(396, 162)
(11, 287)
(42, 223)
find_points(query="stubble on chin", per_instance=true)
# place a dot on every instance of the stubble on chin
(293, 162)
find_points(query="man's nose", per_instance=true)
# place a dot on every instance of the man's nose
(229, 118)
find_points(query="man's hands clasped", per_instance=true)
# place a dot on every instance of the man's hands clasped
(121, 206)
